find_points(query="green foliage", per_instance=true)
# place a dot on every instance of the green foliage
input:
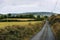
(1, 17)
(25, 16)
(17, 16)
(9, 15)
(46, 17)
(20, 16)
(39, 18)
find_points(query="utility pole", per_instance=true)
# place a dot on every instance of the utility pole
(55, 5)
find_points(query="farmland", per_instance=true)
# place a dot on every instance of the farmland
(19, 30)
(18, 19)
(3, 24)
(20, 27)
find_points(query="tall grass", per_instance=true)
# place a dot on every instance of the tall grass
(56, 30)
(19, 32)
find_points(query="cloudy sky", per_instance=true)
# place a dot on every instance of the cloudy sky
(20, 6)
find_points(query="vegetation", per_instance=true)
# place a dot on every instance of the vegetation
(15, 27)
(5, 18)
(4, 24)
(18, 32)
(16, 16)
(55, 23)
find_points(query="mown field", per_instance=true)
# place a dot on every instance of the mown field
(18, 19)
(19, 30)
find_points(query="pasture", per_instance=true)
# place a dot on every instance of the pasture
(4, 24)
(19, 30)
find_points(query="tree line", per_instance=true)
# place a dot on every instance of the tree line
(16, 16)
(23, 16)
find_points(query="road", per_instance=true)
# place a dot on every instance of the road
(45, 34)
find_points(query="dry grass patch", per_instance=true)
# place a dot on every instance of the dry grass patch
(20, 30)
(56, 30)
(18, 19)
(4, 24)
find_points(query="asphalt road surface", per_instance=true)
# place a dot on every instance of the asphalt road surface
(45, 34)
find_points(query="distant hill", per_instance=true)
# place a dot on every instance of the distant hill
(40, 13)
(35, 13)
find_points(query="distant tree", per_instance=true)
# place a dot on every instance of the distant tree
(51, 19)
(9, 15)
(2, 16)
(21, 16)
(38, 16)
(5, 16)
(31, 16)
(46, 17)
(27, 16)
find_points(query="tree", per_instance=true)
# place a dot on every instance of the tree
(46, 17)
(31, 16)
(1, 17)
(5, 16)
(38, 17)
(51, 19)
(9, 15)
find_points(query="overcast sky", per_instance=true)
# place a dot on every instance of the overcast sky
(20, 6)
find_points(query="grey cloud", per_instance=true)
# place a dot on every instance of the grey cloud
(28, 5)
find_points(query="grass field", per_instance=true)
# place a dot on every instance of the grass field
(18, 19)
(4, 24)
(19, 30)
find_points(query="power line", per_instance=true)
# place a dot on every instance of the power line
(55, 6)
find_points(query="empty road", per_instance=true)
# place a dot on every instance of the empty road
(45, 34)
